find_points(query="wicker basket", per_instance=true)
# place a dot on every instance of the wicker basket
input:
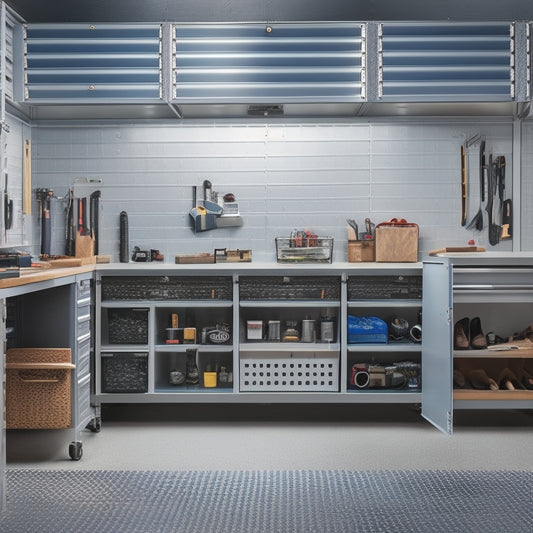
(38, 388)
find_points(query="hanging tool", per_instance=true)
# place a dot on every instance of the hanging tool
(26, 198)
(464, 193)
(494, 229)
(94, 218)
(477, 220)
(124, 238)
(507, 220)
(70, 237)
(44, 196)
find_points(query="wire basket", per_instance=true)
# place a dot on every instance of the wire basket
(315, 250)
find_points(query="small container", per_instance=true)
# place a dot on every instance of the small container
(274, 330)
(254, 330)
(176, 377)
(189, 335)
(327, 331)
(210, 379)
(308, 331)
(291, 334)
(173, 336)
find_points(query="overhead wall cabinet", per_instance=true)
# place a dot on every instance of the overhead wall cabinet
(307, 69)
(265, 63)
(446, 62)
(498, 291)
(86, 63)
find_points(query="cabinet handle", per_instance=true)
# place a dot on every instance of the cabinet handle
(493, 287)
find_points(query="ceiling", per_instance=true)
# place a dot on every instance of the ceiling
(269, 10)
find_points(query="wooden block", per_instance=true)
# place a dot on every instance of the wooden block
(361, 251)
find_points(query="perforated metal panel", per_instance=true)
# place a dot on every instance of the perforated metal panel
(85, 62)
(445, 62)
(298, 373)
(269, 63)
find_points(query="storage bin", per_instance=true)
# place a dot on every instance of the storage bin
(279, 372)
(128, 326)
(124, 372)
(38, 388)
(167, 288)
(290, 288)
(317, 250)
(403, 287)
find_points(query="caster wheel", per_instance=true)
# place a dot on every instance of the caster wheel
(95, 425)
(75, 451)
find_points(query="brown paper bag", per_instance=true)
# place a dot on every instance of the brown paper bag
(396, 242)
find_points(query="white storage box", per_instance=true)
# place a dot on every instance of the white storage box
(299, 373)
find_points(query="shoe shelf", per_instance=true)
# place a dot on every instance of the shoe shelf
(469, 301)
(489, 395)
(520, 353)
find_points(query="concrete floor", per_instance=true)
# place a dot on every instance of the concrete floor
(281, 437)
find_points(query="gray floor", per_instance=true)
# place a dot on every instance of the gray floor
(281, 437)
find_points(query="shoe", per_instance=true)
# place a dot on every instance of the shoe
(525, 378)
(480, 380)
(477, 339)
(508, 380)
(459, 380)
(461, 331)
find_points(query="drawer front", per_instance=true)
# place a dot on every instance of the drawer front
(84, 326)
(84, 398)
(83, 367)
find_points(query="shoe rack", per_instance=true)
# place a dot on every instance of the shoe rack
(475, 353)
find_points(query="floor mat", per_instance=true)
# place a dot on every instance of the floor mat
(267, 501)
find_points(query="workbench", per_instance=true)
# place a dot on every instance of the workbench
(52, 308)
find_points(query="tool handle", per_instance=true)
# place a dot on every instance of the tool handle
(46, 232)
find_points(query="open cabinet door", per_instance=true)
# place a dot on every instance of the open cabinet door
(437, 373)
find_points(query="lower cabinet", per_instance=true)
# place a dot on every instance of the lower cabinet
(477, 322)
(253, 334)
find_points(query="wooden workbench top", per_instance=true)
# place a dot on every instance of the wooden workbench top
(34, 275)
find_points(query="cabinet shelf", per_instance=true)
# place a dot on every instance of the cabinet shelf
(396, 347)
(289, 347)
(189, 389)
(290, 303)
(201, 347)
(523, 353)
(504, 395)
(385, 303)
(124, 348)
(166, 304)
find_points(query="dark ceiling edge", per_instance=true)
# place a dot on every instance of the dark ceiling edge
(209, 11)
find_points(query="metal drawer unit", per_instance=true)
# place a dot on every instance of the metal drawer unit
(439, 62)
(84, 413)
(92, 63)
(247, 63)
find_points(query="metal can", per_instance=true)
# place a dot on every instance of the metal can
(327, 331)
(308, 331)
(274, 330)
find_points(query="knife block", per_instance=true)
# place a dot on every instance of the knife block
(361, 251)
(84, 245)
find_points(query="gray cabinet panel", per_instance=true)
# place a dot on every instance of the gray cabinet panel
(281, 62)
(445, 62)
(87, 63)
(437, 341)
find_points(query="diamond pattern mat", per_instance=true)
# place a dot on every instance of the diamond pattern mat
(303, 501)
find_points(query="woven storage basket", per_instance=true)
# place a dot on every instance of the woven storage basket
(38, 388)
